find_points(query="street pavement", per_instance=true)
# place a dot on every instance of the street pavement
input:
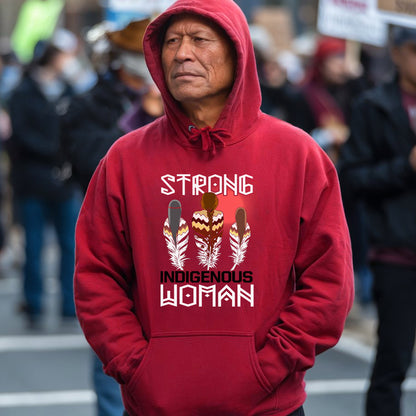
(48, 372)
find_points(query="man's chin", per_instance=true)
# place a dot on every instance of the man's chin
(184, 95)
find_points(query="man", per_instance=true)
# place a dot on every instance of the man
(212, 246)
(378, 165)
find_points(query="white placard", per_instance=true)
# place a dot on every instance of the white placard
(140, 6)
(398, 19)
(353, 20)
(399, 12)
(403, 7)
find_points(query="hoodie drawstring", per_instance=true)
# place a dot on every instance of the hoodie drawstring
(210, 138)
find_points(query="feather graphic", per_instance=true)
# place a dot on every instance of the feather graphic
(239, 237)
(208, 257)
(208, 225)
(176, 233)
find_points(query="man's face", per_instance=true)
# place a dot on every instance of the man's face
(198, 61)
(404, 57)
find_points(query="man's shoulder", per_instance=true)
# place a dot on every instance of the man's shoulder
(292, 146)
(282, 133)
(138, 139)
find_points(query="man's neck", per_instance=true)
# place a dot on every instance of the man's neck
(203, 114)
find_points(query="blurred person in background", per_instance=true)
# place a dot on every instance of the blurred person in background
(330, 89)
(123, 99)
(40, 178)
(280, 97)
(378, 165)
(5, 125)
(77, 71)
(10, 74)
(5, 133)
(11, 70)
(329, 94)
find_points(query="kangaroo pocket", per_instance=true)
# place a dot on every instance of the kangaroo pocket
(198, 375)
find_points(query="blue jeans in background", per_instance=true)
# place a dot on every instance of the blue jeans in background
(34, 215)
(108, 392)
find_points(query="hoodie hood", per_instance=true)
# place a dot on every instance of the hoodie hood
(241, 111)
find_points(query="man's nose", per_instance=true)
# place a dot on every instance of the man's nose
(185, 50)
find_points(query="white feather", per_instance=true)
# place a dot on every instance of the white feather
(176, 251)
(239, 248)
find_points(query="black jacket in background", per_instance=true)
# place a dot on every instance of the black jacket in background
(374, 166)
(287, 103)
(90, 126)
(35, 146)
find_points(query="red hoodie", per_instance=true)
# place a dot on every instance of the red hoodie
(212, 266)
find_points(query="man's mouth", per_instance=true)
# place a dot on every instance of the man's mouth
(185, 75)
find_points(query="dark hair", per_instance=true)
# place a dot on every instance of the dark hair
(400, 35)
(44, 53)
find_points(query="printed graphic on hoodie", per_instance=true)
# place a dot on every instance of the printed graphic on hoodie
(208, 225)
(239, 236)
(176, 233)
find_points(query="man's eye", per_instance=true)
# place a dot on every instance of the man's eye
(171, 41)
(198, 39)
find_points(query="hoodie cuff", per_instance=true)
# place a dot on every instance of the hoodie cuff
(274, 365)
(123, 369)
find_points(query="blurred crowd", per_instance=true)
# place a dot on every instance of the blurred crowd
(61, 111)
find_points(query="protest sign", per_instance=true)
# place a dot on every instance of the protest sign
(121, 12)
(355, 20)
(400, 12)
(37, 20)
(407, 7)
